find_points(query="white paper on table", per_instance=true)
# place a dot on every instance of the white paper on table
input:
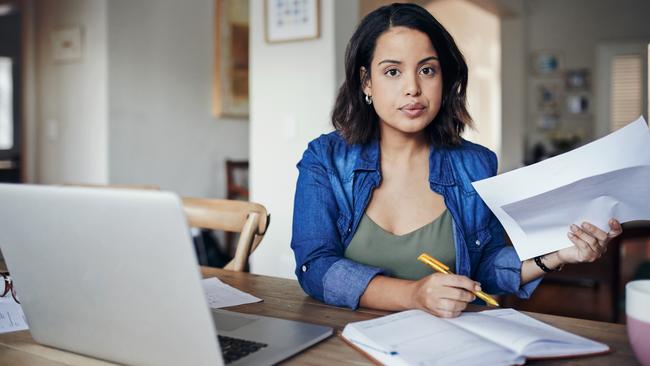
(12, 317)
(546, 197)
(221, 295)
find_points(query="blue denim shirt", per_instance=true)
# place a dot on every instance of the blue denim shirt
(334, 186)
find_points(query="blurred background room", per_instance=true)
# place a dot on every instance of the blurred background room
(207, 99)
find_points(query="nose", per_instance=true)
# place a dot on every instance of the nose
(412, 86)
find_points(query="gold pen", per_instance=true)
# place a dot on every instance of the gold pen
(442, 268)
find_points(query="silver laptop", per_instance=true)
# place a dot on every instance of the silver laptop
(113, 274)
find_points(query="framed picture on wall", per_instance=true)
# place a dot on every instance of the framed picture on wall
(577, 79)
(230, 81)
(291, 20)
(549, 96)
(547, 63)
(578, 103)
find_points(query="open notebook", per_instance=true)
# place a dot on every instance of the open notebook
(492, 337)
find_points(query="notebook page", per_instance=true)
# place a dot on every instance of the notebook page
(419, 338)
(524, 335)
(561, 343)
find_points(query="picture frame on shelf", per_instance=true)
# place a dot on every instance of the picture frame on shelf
(549, 96)
(577, 79)
(548, 121)
(578, 104)
(547, 63)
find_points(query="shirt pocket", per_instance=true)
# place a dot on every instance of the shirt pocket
(477, 241)
(475, 244)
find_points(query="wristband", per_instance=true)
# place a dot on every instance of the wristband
(540, 264)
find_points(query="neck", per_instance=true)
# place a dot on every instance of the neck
(400, 147)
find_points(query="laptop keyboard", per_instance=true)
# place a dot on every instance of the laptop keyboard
(234, 348)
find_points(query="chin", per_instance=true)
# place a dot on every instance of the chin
(413, 126)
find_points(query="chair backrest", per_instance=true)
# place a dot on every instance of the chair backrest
(250, 219)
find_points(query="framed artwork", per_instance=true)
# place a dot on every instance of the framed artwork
(577, 79)
(230, 83)
(547, 63)
(549, 97)
(578, 104)
(291, 20)
(548, 121)
(67, 44)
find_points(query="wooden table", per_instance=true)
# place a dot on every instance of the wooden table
(285, 299)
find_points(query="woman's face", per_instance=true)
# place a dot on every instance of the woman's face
(405, 80)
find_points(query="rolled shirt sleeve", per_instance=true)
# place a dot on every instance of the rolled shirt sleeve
(508, 274)
(321, 267)
(500, 267)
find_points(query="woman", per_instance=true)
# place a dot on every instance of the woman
(394, 180)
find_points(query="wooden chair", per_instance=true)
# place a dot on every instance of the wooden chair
(247, 218)
(250, 219)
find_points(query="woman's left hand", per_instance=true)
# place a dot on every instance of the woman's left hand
(590, 243)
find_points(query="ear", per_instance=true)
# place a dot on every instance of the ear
(366, 84)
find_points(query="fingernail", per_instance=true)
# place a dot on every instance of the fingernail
(574, 228)
(477, 287)
(585, 225)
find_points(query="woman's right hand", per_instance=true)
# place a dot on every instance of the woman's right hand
(444, 295)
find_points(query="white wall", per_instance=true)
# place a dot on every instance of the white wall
(513, 85)
(293, 86)
(137, 107)
(160, 90)
(71, 96)
(476, 32)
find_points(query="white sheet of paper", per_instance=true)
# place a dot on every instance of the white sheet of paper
(536, 204)
(12, 317)
(221, 295)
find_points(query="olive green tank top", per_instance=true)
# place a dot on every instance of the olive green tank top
(398, 254)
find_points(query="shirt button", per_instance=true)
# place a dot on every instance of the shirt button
(478, 242)
(349, 229)
(304, 268)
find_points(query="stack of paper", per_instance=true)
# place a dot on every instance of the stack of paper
(607, 178)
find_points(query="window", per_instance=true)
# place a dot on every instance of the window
(627, 90)
(6, 105)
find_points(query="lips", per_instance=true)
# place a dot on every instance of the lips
(412, 110)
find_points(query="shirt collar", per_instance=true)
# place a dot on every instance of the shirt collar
(368, 158)
(440, 167)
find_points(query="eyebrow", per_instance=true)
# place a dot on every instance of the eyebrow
(400, 62)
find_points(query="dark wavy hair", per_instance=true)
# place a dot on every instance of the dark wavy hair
(357, 121)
